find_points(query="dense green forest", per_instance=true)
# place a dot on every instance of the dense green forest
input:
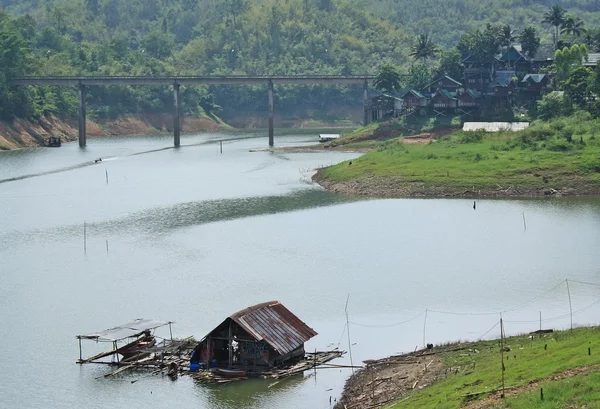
(210, 37)
(446, 20)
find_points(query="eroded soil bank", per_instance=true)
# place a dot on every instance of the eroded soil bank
(30, 133)
(386, 380)
(398, 187)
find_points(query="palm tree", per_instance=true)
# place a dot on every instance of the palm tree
(423, 48)
(555, 16)
(507, 35)
(573, 26)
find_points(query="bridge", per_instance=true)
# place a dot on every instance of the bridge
(81, 82)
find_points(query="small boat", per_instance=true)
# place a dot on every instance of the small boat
(324, 137)
(54, 141)
(230, 373)
(136, 347)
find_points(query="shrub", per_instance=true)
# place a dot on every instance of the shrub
(470, 136)
(559, 146)
(590, 166)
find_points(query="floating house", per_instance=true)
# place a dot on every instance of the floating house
(264, 335)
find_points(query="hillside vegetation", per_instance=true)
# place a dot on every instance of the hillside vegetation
(189, 37)
(447, 20)
(207, 37)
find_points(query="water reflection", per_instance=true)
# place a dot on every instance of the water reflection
(248, 393)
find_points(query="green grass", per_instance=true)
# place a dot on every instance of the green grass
(557, 154)
(580, 391)
(477, 369)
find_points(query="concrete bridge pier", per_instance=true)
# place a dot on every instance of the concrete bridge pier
(82, 116)
(271, 139)
(365, 102)
(176, 116)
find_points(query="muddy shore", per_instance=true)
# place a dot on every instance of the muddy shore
(387, 380)
(398, 187)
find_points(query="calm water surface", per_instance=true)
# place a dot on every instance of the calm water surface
(195, 235)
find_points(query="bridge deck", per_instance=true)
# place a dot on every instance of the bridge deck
(190, 80)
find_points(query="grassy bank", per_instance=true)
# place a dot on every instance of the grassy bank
(557, 157)
(557, 362)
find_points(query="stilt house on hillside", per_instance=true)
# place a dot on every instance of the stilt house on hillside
(266, 334)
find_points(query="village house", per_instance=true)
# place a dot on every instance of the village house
(264, 335)
(469, 99)
(444, 100)
(445, 83)
(413, 100)
(383, 106)
(533, 84)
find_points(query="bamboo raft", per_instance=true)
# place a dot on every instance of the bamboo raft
(312, 360)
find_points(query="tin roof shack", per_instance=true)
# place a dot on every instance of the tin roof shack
(266, 334)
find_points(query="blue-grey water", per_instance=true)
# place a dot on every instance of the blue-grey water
(194, 235)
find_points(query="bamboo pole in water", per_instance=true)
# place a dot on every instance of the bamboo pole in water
(348, 328)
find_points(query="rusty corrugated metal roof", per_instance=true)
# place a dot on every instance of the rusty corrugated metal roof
(273, 323)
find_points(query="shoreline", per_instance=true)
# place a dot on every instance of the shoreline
(21, 133)
(397, 187)
(460, 372)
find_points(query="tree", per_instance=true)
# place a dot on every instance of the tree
(158, 44)
(576, 85)
(555, 16)
(506, 35)
(419, 76)
(423, 48)
(480, 45)
(235, 8)
(93, 7)
(530, 42)
(569, 59)
(15, 59)
(450, 64)
(387, 79)
(573, 26)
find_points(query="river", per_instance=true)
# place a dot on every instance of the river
(193, 235)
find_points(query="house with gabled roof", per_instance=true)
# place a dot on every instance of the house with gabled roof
(469, 99)
(503, 83)
(383, 106)
(266, 334)
(533, 84)
(413, 99)
(444, 99)
(444, 83)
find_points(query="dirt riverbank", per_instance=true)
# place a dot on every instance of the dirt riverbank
(386, 380)
(22, 133)
(397, 186)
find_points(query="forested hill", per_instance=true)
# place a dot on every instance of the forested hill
(205, 37)
(446, 20)
(218, 37)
